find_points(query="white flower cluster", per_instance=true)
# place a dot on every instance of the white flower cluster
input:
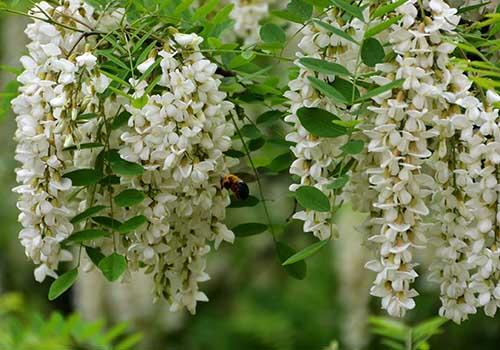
(467, 257)
(178, 136)
(431, 161)
(55, 62)
(247, 15)
(315, 156)
(400, 137)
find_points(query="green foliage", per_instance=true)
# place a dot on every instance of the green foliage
(320, 122)
(62, 283)
(113, 266)
(311, 198)
(478, 47)
(398, 336)
(351, 9)
(132, 224)
(249, 229)
(85, 235)
(322, 66)
(83, 177)
(297, 11)
(271, 33)
(129, 198)
(23, 329)
(372, 52)
(87, 213)
(305, 253)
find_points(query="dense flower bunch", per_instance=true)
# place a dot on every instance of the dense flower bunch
(147, 167)
(179, 137)
(315, 155)
(415, 131)
(52, 72)
(432, 153)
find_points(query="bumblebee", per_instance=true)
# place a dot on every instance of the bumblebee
(236, 185)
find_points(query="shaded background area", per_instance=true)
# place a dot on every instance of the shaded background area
(253, 304)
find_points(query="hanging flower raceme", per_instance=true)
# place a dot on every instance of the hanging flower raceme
(55, 66)
(316, 154)
(179, 137)
(429, 169)
(144, 154)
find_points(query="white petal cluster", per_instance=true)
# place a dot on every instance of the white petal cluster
(247, 15)
(434, 126)
(51, 70)
(315, 156)
(403, 140)
(467, 256)
(179, 137)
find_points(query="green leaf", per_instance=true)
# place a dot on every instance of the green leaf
(94, 255)
(381, 89)
(83, 177)
(378, 28)
(465, 9)
(323, 66)
(62, 284)
(110, 180)
(234, 153)
(311, 198)
(372, 52)
(183, 6)
(353, 147)
(87, 213)
(120, 120)
(350, 9)
(306, 252)
(85, 235)
(222, 15)
(122, 167)
(319, 122)
(251, 201)
(269, 117)
(250, 131)
(113, 266)
(335, 31)
(111, 57)
(249, 229)
(281, 162)
(203, 11)
(256, 144)
(328, 90)
(106, 221)
(347, 89)
(271, 33)
(384, 9)
(132, 224)
(140, 102)
(296, 11)
(297, 270)
(129, 198)
(339, 182)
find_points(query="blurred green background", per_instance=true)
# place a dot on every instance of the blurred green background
(253, 304)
